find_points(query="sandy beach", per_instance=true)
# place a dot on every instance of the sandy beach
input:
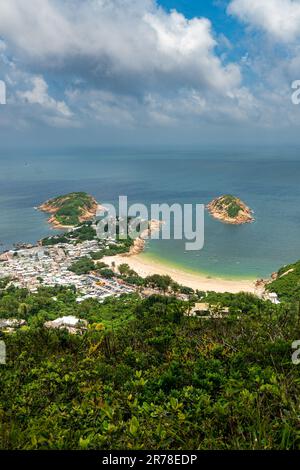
(145, 267)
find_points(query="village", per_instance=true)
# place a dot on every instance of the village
(49, 266)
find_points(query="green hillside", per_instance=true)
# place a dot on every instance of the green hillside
(71, 209)
(145, 376)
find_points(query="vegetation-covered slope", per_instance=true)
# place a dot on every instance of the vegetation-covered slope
(230, 209)
(71, 209)
(287, 284)
(144, 375)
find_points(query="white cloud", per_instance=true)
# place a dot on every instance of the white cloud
(39, 95)
(105, 107)
(36, 104)
(116, 43)
(193, 109)
(131, 64)
(279, 18)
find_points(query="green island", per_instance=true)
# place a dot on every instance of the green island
(230, 209)
(70, 209)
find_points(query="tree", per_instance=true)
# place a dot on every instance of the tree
(124, 269)
(82, 266)
(159, 282)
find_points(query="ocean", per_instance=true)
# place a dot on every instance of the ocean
(267, 179)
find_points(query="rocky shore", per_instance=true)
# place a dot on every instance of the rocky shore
(82, 213)
(230, 210)
(139, 243)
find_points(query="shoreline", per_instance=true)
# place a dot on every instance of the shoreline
(88, 214)
(139, 243)
(147, 267)
(244, 216)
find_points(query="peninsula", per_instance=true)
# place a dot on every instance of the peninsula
(230, 210)
(70, 209)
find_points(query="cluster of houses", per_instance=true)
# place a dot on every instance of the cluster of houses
(31, 267)
(49, 266)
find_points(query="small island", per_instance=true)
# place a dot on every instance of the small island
(70, 209)
(230, 210)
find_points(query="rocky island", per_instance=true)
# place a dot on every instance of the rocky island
(70, 209)
(230, 210)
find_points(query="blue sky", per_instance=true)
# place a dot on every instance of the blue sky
(142, 71)
(214, 10)
(194, 8)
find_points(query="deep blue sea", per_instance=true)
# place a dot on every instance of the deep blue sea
(267, 179)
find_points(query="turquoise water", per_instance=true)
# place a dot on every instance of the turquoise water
(266, 179)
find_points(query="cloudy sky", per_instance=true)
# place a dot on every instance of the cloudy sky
(145, 71)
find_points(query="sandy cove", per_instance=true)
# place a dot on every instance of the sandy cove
(146, 267)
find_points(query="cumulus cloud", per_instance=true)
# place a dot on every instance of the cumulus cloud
(39, 95)
(274, 63)
(105, 107)
(130, 63)
(121, 44)
(279, 18)
(195, 109)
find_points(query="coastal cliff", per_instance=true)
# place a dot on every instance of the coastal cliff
(70, 209)
(230, 210)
